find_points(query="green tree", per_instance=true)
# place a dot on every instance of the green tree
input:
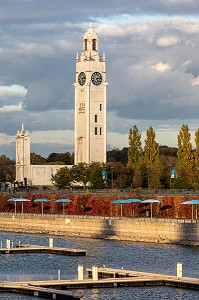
(37, 159)
(95, 177)
(196, 159)
(151, 156)
(80, 173)
(65, 158)
(117, 175)
(185, 162)
(117, 155)
(7, 169)
(62, 178)
(135, 147)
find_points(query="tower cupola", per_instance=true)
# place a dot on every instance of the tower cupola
(90, 43)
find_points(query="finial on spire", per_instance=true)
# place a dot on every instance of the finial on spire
(22, 127)
(77, 56)
(103, 57)
(91, 25)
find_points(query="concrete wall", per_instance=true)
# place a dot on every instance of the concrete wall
(143, 230)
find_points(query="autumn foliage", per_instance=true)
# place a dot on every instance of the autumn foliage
(101, 205)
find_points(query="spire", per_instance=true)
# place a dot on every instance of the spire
(22, 129)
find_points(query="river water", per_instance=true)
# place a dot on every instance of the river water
(114, 254)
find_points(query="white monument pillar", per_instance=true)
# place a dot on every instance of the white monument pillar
(23, 156)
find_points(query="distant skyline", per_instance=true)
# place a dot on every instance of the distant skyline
(152, 59)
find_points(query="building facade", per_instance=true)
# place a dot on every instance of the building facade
(90, 102)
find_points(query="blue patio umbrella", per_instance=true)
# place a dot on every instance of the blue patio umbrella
(63, 200)
(192, 203)
(134, 200)
(42, 201)
(121, 201)
(151, 201)
(15, 200)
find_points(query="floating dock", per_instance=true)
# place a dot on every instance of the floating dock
(42, 249)
(41, 292)
(112, 278)
(100, 278)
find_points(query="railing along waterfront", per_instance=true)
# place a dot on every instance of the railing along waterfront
(50, 216)
(107, 192)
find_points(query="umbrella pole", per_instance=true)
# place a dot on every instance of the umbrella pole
(121, 210)
(133, 210)
(42, 208)
(22, 207)
(63, 208)
(15, 207)
(151, 210)
(196, 212)
(192, 212)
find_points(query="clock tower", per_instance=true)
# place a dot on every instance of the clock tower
(90, 102)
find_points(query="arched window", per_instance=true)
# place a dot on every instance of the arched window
(85, 44)
(94, 44)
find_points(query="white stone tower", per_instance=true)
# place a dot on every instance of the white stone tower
(23, 156)
(90, 102)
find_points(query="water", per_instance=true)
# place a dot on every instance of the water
(113, 254)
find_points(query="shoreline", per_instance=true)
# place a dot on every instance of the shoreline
(127, 229)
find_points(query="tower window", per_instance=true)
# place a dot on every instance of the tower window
(100, 107)
(95, 130)
(100, 130)
(94, 44)
(95, 118)
(85, 44)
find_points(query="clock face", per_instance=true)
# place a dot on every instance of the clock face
(96, 78)
(82, 78)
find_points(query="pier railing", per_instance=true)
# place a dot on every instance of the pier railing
(65, 216)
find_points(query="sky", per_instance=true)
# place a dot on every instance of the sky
(152, 64)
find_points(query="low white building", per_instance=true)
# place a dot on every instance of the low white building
(32, 175)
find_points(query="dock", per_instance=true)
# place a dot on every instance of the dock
(36, 291)
(97, 278)
(42, 249)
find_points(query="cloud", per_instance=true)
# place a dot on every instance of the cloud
(12, 90)
(167, 41)
(152, 65)
(161, 67)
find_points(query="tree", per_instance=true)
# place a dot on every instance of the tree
(117, 155)
(151, 156)
(95, 177)
(117, 175)
(135, 147)
(185, 163)
(37, 159)
(80, 173)
(65, 158)
(62, 178)
(196, 159)
(7, 169)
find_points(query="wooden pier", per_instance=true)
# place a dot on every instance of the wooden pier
(42, 249)
(36, 291)
(107, 278)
